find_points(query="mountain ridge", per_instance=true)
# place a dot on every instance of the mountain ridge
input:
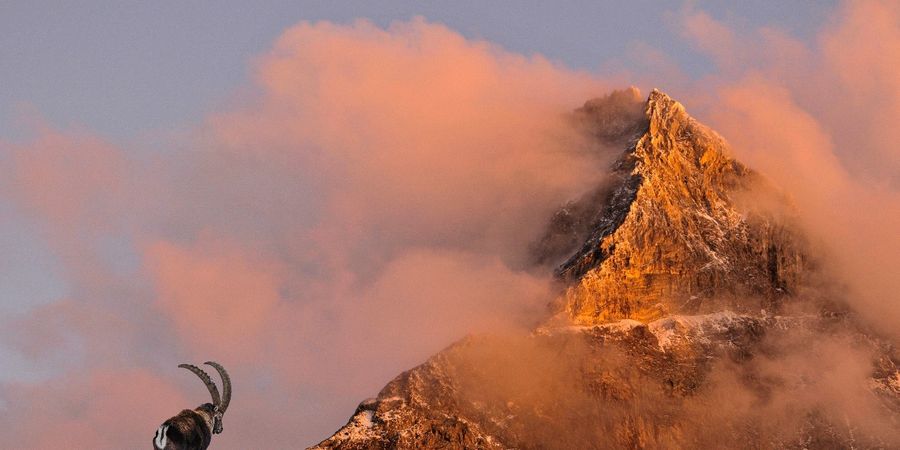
(673, 288)
(671, 239)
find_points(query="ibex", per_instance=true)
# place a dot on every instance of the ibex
(192, 429)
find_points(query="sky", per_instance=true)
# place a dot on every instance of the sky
(322, 195)
(128, 69)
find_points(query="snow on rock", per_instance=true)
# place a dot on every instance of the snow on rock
(360, 427)
(673, 330)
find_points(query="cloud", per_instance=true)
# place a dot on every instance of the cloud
(70, 185)
(99, 409)
(370, 202)
(412, 131)
(218, 299)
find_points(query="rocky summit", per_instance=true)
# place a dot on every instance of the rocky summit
(691, 315)
(672, 236)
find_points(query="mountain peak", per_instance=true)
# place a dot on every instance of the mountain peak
(663, 112)
(660, 98)
(668, 236)
(657, 95)
(666, 242)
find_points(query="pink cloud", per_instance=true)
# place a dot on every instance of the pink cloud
(100, 409)
(218, 297)
(368, 207)
(66, 178)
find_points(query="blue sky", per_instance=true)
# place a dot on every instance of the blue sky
(129, 69)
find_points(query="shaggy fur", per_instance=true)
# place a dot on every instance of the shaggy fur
(189, 430)
(193, 429)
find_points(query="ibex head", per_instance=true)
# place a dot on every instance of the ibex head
(219, 404)
(193, 429)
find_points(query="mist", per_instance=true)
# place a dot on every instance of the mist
(578, 390)
(367, 202)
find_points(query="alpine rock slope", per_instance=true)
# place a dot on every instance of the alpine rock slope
(692, 314)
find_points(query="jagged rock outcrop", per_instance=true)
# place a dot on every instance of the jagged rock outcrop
(672, 331)
(673, 237)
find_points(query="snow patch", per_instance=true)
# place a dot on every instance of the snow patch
(365, 419)
(673, 330)
(360, 427)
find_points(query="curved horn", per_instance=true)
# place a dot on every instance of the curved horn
(213, 390)
(226, 385)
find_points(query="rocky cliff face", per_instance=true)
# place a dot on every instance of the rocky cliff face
(673, 329)
(673, 238)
